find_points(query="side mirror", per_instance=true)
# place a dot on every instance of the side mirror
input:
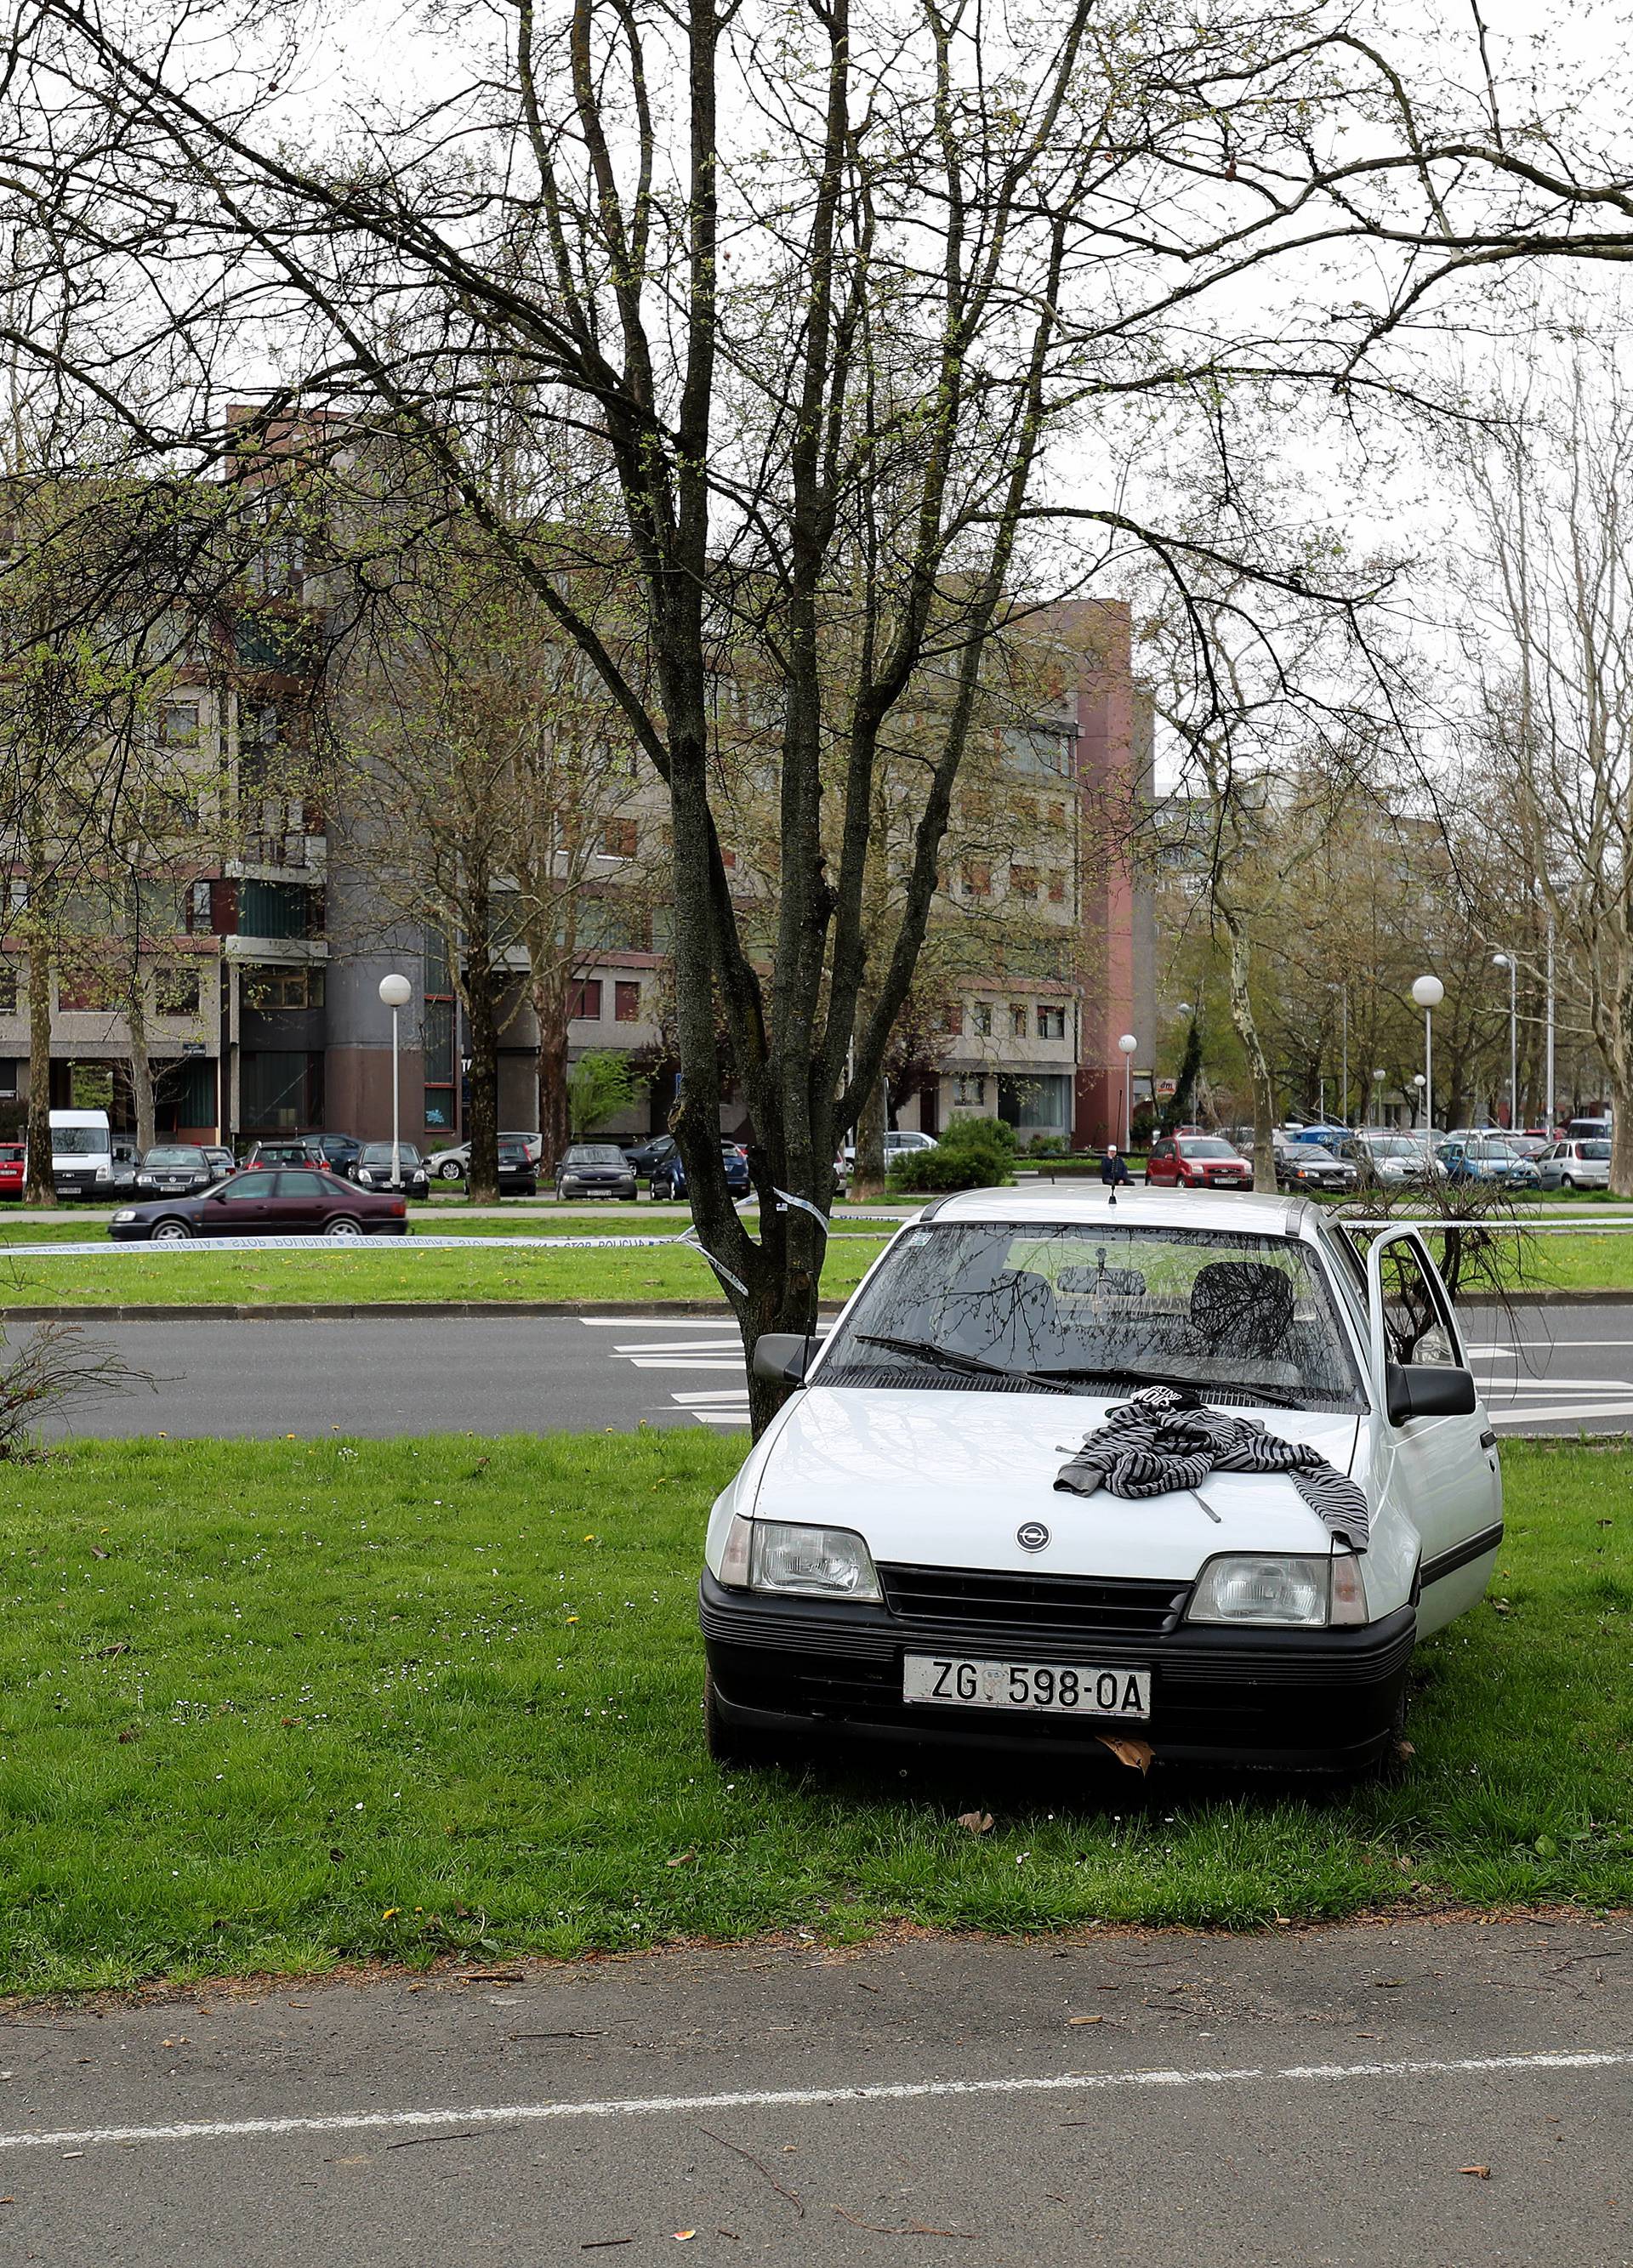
(1428, 1390)
(783, 1357)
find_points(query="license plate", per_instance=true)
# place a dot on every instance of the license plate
(1063, 1688)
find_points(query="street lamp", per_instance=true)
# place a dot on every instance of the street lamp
(1128, 1044)
(1342, 992)
(1380, 1072)
(396, 992)
(1419, 1082)
(1507, 961)
(1429, 992)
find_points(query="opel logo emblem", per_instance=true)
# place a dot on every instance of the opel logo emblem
(1031, 1536)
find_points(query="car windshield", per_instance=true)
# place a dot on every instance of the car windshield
(79, 1141)
(1207, 1145)
(1100, 1308)
(190, 1161)
(1313, 1153)
(378, 1153)
(594, 1154)
(1393, 1145)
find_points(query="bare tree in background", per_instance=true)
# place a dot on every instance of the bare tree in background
(818, 294)
(1549, 590)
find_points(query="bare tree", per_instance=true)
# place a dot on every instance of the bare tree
(1549, 590)
(817, 293)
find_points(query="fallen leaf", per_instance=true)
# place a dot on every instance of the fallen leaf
(98, 1554)
(979, 1822)
(684, 1859)
(681, 2236)
(1085, 2020)
(1136, 1755)
(1481, 2173)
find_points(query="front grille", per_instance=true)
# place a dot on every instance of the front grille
(1081, 1606)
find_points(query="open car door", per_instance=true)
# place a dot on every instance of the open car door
(1436, 1452)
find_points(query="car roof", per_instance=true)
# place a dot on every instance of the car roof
(1134, 1208)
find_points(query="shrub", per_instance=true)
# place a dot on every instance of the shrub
(975, 1153)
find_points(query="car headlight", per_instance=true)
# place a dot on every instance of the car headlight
(125, 1214)
(813, 1562)
(1287, 1590)
(105, 1173)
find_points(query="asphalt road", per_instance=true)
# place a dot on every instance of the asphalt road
(1323, 2097)
(1553, 1370)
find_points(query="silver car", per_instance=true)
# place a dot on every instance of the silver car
(1576, 1165)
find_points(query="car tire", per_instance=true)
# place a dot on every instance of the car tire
(729, 1745)
(344, 1230)
(171, 1231)
(451, 1170)
(1565, 1182)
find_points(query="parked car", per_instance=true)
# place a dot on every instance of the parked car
(1588, 1130)
(1307, 1166)
(13, 1168)
(1197, 1161)
(1574, 1164)
(518, 1167)
(173, 1170)
(898, 1141)
(82, 1153)
(452, 1164)
(372, 1170)
(306, 1200)
(289, 1150)
(1527, 1145)
(595, 1169)
(893, 1558)
(127, 1164)
(1484, 1159)
(222, 1162)
(1385, 1159)
(643, 1155)
(669, 1180)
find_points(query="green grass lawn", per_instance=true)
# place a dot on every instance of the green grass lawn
(380, 1269)
(264, 1706)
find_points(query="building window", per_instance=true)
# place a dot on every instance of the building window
(626, 1004)
(1043, 1104)
(1034, 749)
(969, 1090)
(8, 988)
(618, 838)
(981, 1019)
(1057, 889)
(268, 987)
(978, 879)
(1018, 1020)
(279, 1088)
(1057, 815)
(89, 991)
(177, 991)
(1051, 1023)
(276, 909)
(1024, 882)
(178, 724)
(584, 1001)
(952, 1018)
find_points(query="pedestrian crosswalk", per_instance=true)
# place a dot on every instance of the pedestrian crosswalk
(665, 1343)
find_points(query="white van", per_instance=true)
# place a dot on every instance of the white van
(82, 1153)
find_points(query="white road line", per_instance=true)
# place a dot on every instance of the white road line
(1550, 1385)
(1530, 1414)
(1544, 1346)
(660, 2106)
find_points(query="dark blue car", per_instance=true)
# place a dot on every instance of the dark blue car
(669, 1175)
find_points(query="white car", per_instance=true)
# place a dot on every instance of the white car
(895, 1558)
(453, 1165)
(898, 1141)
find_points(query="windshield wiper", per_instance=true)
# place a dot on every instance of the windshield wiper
(1122, 1370)
(945, 1358)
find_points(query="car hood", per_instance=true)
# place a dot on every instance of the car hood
(945, 1478)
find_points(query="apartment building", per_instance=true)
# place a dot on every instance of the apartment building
(261, 951)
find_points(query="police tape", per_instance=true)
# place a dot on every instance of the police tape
(250, 1242)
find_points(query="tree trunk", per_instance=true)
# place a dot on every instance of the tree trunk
(141, 1064)
(550, 1010)
(41, 1189)
(1258, 1069)
(868, 1179)
(1621, 1126)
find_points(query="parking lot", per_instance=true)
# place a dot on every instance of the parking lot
(1544, 1370)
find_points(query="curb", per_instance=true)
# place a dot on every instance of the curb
(401, 1311)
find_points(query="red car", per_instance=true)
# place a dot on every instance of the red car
(291, 1200)
(13, 1168)
(1197, 1161)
